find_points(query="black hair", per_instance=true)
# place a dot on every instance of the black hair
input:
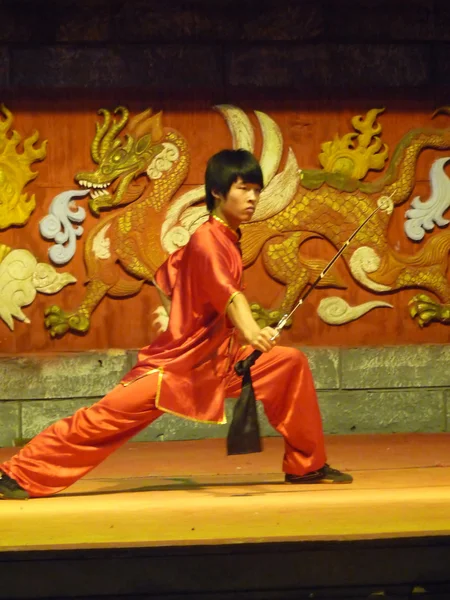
(225, 167)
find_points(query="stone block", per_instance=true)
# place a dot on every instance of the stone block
(165, 66)
(144, 21)
(9, 24)
(442, 64)
(324, 363)
(37, 415)
(74, 375)
(171, 428)
(367, 390)
(330, 65)
(380, 20)
(380, 65)
(399, 411)
(258, 21)
(9, 423)
(17, 25)
(217, 21)
(67, 20)
(279, 66)
(174, 429)
(4, 67)
(76, 21)
(441, 20)
(177, 66)
(132, 357)
(395, 367)
(69, 66)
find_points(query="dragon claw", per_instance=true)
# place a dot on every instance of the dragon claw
(59, 322)
(268, 318)
(424, 309)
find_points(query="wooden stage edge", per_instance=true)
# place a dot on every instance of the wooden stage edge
(180, 519)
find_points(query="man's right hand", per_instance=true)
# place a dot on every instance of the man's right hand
(240, 315)
(265, 339)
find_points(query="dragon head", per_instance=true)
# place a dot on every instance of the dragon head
(121, 159)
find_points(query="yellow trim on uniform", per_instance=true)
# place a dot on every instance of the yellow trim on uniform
(160, 370)
(237, 232)
(230, 300)
(214, 216)
(176, 414)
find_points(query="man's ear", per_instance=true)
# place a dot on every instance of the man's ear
(216, 195)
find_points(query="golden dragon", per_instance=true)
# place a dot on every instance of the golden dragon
(141, 171)
(137, 175)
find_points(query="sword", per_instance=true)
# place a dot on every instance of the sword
(384, 204)
(243, 435)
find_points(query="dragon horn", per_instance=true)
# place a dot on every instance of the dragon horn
(445, 110)
(115, 129)
(100, 132)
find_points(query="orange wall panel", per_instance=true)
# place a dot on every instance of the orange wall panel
(69, 126)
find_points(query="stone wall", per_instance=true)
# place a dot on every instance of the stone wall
(225, 44)
(361, 390)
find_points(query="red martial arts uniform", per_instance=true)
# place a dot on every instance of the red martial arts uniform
(187, 371)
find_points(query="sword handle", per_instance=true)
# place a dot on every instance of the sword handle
(244, 365)
(281, 323)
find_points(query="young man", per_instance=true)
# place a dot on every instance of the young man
(188, 369)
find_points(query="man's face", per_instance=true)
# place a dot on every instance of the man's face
(239, 204)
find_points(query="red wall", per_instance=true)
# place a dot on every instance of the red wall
(68, 124)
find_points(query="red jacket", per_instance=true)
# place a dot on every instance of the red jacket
(196, 352)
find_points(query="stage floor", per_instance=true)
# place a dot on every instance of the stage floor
(191, 493)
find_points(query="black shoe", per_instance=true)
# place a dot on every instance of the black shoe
(10, 489)
(324, 475)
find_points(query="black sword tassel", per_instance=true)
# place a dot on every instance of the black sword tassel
(244, 434)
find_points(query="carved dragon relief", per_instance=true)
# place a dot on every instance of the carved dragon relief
(141, 165)
(137, 175)
(22, 276)
(329, 204)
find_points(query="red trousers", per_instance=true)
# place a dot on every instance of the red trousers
(71, 447)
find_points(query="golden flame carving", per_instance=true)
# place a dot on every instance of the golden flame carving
(354, 154)
(15, 172)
